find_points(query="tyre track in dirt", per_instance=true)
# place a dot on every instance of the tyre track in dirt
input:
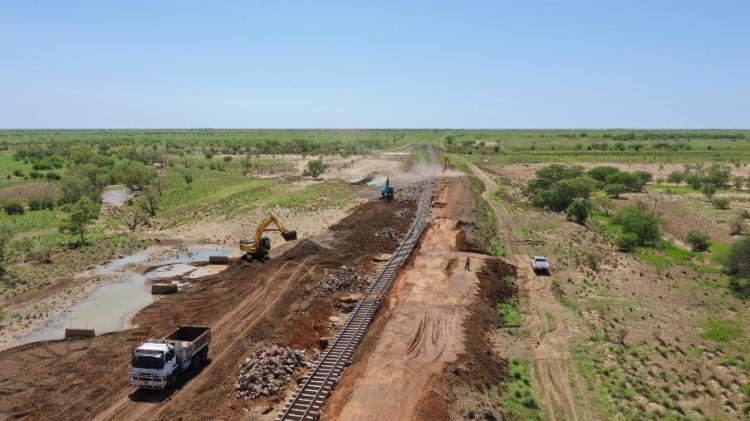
(419, 331)
(225, 335)
(551, 326)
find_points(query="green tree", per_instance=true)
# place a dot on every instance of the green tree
(676, 177)
(632, 181)
(694, 181)
(708, 190)
(638, 220)
(698, 240)
(615, 190)
(188, 180)
(579, 211)
(548, 176)
(719, 175)
(135, 174)
(315, 168)
(80, 214)
(601, 173)
(737, 260)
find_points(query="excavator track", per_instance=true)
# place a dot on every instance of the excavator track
(325, 374)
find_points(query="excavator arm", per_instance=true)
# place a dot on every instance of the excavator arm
(258, 247)
(272, 219)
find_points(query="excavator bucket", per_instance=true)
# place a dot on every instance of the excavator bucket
(289, 235)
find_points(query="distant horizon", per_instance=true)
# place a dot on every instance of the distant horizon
(376, 128)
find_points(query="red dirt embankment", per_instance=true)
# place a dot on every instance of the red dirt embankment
(249, 305)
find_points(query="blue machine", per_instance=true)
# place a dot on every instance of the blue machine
(387, 191)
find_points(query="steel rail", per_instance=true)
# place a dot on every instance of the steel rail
(319, 383)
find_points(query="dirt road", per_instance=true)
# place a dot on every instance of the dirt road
(420, 331)
(551, 326)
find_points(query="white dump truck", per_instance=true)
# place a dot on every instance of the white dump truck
(158, 363)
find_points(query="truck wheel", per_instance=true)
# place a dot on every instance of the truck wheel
(204, 355)
(172, 380)
(196, 362)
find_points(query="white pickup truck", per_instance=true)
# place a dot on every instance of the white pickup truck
(540, 264)
(157, 363)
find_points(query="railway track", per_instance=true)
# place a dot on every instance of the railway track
(320, 382)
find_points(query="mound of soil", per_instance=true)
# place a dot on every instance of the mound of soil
(466, 383)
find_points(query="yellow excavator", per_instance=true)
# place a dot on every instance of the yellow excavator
(258, 247)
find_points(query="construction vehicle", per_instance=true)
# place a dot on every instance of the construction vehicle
(387, 191)
(259, 246)
(157, 363)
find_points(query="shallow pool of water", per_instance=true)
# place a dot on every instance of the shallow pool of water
(105, 310)
(196, 254)
(108, 307)
(114, 196)
(120, 263)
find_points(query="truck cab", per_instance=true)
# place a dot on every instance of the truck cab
(154, 366)
(157, 363)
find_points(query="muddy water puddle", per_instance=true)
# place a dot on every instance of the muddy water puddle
(114, 196)
(110, 306)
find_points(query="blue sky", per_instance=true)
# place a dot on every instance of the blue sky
(468, 64)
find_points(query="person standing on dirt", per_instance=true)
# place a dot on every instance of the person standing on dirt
(468, 263)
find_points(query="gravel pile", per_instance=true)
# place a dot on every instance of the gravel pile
(344, 279)
(412, 192)
(406, 213)
(388, 232)
(267, 371)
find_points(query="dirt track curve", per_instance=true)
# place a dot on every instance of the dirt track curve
(550, 324)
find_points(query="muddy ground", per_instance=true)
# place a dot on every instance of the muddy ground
(249, 305)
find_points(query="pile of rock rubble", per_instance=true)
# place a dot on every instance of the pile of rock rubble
(267, 371)
(412, 192)
(388, 232)
(344, 279)
(405, 213)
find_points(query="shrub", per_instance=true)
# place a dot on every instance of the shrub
(18, 173)
(592, 260)
(708, 190)
(694, 181)
(579, 211)
(638, 220)
(53, 176)
(315, 168)
(721, 203)
(601, 173)
(40, 253)
(676, 177)
(14, 207)
(631, 181)
(615, 190)
(227, 158)
(626, 241)
(36, 174)
(736, 226)
(699, 240)
(41, 203)
(719, 175)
